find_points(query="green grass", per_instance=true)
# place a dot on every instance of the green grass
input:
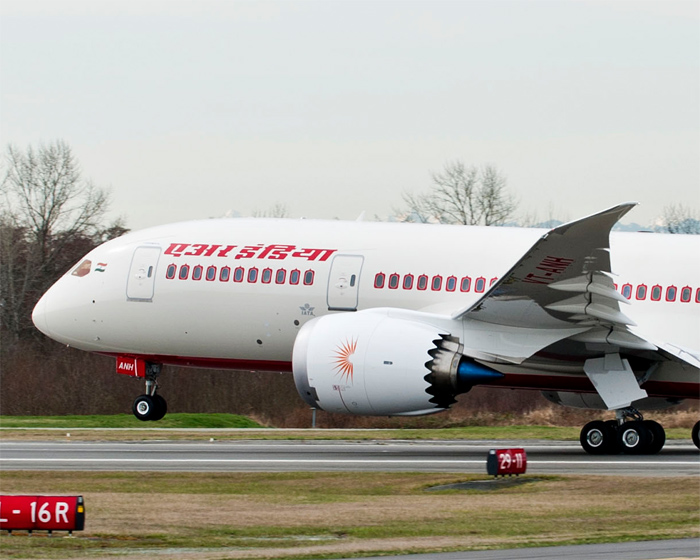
(178, 420)
(315, 515)
(233, 421)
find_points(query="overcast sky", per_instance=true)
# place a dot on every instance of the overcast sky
(190, 109)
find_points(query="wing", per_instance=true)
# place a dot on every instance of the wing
(562, 289)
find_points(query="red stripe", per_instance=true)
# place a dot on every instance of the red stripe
(540, 382)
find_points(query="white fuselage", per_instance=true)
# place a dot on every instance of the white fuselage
(234, 293)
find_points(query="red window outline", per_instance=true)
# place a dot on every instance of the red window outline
(641, 293)
(436, 283)
(309, 277)
(238, 274)
(225, 274)
(422, 283)
(197, 272)
(266, 276)
(252, 275)
(480, 285)
(468, 280)
(171, 271)
(493, 281)
(626, 288)
(393, 281)
(686, 290)
(671, 293)
(697, 296)
(407, 283)
(379, 279)
(294, 276)
(656, 292)
(184, 272)
(451, 283)
(280, 276)
(615, 286)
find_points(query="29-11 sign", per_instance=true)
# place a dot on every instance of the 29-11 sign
(502, 462)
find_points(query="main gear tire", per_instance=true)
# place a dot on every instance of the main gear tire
(634, 437)
(658, 436)
(598, 438)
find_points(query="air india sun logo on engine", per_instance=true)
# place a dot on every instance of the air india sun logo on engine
(341, 359)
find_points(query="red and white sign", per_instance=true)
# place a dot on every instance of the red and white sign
(127, 365)
(42, 513)
(501, 462)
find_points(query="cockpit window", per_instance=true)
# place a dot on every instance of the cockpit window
(83, 269)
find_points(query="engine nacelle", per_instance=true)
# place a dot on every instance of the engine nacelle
(383, 362)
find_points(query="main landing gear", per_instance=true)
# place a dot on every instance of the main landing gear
(630, 434)
(150, 406)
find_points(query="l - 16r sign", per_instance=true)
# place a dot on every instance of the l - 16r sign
(42, 513)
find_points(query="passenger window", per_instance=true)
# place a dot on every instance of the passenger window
(225, 274)
(671, 293)
(627, 291)
(393, 281)
(379, 280)
(466, 284)
(642, 292)
(480, 284)
(451, 283)
(408, 282)
(437, 283)
(170, 272)
(686, 294)
(656, 293)
(196, 273)
(238, 274)
(422, 282)
(281, 276)
(184, 272)
(211, 273)
(309, 278)
(294, 277)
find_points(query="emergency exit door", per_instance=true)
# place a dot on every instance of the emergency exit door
(344, 282)
(142, 274)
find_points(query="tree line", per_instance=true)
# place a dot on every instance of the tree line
(51, 216)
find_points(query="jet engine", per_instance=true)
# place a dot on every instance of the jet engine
(385, 362)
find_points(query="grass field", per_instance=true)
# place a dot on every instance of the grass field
(126, 427)
(199, 516)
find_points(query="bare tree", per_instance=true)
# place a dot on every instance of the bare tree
(463, 195)
(678, 218)
(277, 210)
(50, 217)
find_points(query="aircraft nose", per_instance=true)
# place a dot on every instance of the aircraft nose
(39, 315)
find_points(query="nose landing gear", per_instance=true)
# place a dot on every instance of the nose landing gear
(150, 406)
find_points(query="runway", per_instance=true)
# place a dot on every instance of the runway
(677, 459)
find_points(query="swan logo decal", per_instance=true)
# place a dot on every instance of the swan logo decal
(342, 362)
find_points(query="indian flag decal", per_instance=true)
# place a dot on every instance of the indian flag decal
(100, 267)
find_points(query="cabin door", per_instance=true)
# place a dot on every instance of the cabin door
(142, 274)
(344, 282)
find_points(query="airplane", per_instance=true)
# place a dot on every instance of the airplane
(397, 319)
